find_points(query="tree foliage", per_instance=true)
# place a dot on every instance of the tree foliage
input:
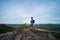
(4, 28)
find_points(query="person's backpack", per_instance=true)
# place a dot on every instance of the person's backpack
(33, 21)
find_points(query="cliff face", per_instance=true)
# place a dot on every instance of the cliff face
(27, 35)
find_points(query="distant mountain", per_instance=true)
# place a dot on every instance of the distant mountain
(35, 25)
(44, 26)
(13, 25)
(48, 26)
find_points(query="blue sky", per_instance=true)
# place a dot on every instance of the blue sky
(20, 11)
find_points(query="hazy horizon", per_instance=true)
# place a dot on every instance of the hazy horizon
(20, 11)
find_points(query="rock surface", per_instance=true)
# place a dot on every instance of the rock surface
(26, 35)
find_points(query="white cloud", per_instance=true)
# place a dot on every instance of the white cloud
(16, 13)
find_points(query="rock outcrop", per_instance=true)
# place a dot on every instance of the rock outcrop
(27, 35)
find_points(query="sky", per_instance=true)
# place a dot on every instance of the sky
(20, 11)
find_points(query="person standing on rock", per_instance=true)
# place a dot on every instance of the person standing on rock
(32, 22)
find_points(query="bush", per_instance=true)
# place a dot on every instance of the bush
(56, 35)
(4, 28)
(24, 26)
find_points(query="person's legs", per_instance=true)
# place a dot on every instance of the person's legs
(31, 25)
